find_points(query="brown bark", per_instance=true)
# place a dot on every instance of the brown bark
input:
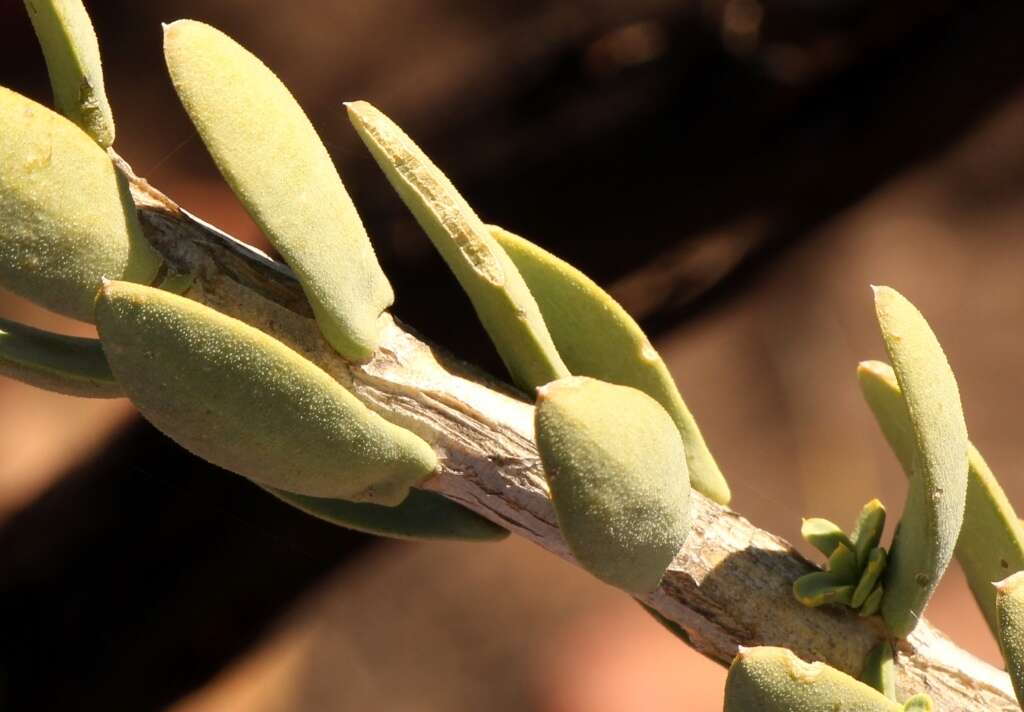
(728, 587)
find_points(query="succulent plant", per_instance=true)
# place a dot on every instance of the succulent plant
(618, 449)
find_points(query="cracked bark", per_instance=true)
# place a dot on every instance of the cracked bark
(729, 586)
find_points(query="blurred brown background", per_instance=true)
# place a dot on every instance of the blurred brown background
(737, 172)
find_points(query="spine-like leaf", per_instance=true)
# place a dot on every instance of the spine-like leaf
(64, 364)
(276, 164)
(246, 402)
(991, 541)
(596, 337)
(769, 679)
(614, 461)
(503, 302)
(422, 515)
(1010, 628)
(934, 510)
(73, 62)
(67, 219)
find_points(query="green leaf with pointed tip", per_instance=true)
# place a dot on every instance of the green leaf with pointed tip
(614, 461)
(770, 679)
(502, 301)
(920, 702)
(879, 670)
(934, 511)
(64, 364)
(824, 535)
(73, 61)
(868, 530)
(67, 219)
(873, 602)
(422, 515)
(873, 569)
(820, 588)
(843, 565)
(246, 402)
(1010, 628)
(276, 164)
(596, 337)
(991, 541)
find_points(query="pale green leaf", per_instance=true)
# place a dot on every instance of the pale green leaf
(276, 164)
(246, 402)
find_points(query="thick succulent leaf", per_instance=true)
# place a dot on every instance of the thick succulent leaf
(775, 680)
(67, 219)
(499, 295)
(73, 62)
(842, 564)
(422, 515)
(596, 337)
(246, 402)
(819, 588)
(873, 602)
(276, 164)
(873, 569)
(824, 535)
(934, 510)
(991, 541)
(64, 364)
(614, 461)
(1010, 628)
(879, 670)
(868, 530)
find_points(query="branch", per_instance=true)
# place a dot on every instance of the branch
(729, 586)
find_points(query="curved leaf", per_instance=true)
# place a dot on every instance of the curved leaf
(246, 402)
(1010, 627)
(67, 219)
(73, 61)
(276, 164)
(422, 515)
(70, 365)
(991, 541)
(613, 459)
(501, 298)
(934, 511)
(775, 680)
(596, 337)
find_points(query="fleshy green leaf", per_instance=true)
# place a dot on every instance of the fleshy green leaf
(613, 459)
(64, 364)
(934, 511)
(246, 402)
(67, 219)
(842, 564)
(276, 164)
(73, 62)
(873, 602)
(422, 515)
(769, 679)
(879, 671)
(991, 541)
(1010, 627)
(820, 588)
(873, 569)
(824, 535)
(501, 298)
(596, 337)
(868, 530)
